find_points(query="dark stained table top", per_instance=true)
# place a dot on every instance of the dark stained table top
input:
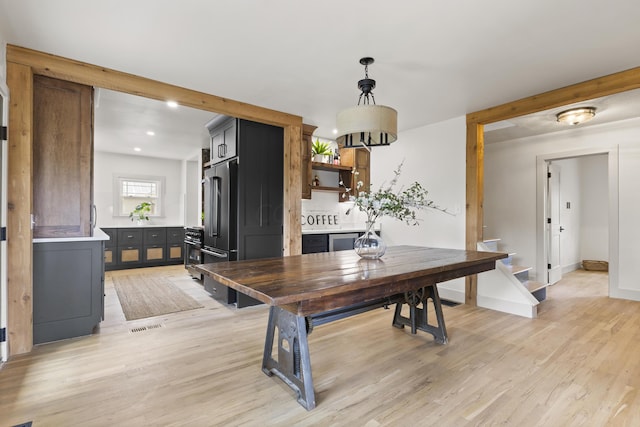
(313, 283)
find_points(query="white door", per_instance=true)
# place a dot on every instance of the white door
(554, 268)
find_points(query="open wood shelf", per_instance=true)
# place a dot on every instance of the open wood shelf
(329, 167)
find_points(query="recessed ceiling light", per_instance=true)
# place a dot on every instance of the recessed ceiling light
(150, 133)
(172, 104)
(335, 131)
(137, 149)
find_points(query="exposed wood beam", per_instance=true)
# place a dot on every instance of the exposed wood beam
(80, 72)
(22, 64)
(590, 89)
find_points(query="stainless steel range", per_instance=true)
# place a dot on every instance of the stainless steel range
(193, 238)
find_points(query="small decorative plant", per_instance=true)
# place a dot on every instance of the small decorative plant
(141, 212)
(320, 148)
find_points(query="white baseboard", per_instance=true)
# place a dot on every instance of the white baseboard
(571, 267)
(451, 294)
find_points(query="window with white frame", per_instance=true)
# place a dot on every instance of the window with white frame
(132, 191)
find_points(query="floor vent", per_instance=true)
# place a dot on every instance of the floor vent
(146, 328)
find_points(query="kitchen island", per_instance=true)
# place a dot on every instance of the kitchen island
(312, 289)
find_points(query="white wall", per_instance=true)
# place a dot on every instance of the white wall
(106, 165)
(192, 186)
(594, 222)
(510, 192)
(435, 156)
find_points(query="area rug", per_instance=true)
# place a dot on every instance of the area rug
(147, 296)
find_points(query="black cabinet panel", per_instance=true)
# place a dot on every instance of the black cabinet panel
(129, 236)
(144, 247)
(175, 235)
(314, 243)
(155, 236)
(113, 237)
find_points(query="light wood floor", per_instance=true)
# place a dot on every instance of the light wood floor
(577, 364)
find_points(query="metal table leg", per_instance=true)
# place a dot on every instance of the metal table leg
(293, 364)
(418, 316)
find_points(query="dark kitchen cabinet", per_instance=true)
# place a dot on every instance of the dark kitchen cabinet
(223, 139)
(175, 244)
(243, 198)
(143, 247)
(314, 243)
(68, 289)
(111, 248)
(260, 190)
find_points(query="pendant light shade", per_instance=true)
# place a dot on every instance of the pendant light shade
(367, 124)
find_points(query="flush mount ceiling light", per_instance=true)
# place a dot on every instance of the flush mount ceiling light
(367, 124)
(576, 116)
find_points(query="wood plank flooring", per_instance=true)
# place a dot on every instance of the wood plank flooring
(577, 364)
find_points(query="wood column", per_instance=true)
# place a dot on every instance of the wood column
(19, 202)
(474, 210)
(292, 238)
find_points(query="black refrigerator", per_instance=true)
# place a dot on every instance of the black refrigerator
(243, 200)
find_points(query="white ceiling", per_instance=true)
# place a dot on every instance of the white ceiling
(122, 122)
(434, 60)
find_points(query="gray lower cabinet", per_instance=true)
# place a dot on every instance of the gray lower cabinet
(135, 247)
(68, 289)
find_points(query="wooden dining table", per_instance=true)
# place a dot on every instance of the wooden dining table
(305, 291)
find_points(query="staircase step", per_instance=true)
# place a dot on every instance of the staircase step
(492, 244)
(533, 286)
(517, 269)
(508, 260)
(537, 289)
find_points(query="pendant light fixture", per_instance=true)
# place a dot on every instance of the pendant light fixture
(367, 124)
(576, 116)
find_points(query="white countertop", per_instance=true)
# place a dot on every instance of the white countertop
(98, 234)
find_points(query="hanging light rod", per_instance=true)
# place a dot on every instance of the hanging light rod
(367, 124)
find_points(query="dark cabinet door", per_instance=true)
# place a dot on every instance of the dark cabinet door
(62, 158)
(155, 236)
(175, 235)
(223, 140)
(260, 182)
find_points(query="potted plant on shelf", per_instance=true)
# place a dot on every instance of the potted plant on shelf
(321, 151)
(141, 213)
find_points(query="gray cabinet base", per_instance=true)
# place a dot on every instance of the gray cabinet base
(68, 289)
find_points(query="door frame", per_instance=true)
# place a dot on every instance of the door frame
(22, 65)
(602, 86)
(4, 120)
(541, 206)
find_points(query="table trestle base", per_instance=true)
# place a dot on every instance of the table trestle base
(418, 319)
(293, 364)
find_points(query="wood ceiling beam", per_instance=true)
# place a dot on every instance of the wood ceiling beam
(590, 89)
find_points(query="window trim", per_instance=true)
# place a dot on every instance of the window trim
(117, 193)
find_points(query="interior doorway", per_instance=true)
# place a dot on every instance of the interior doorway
(577, 211)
